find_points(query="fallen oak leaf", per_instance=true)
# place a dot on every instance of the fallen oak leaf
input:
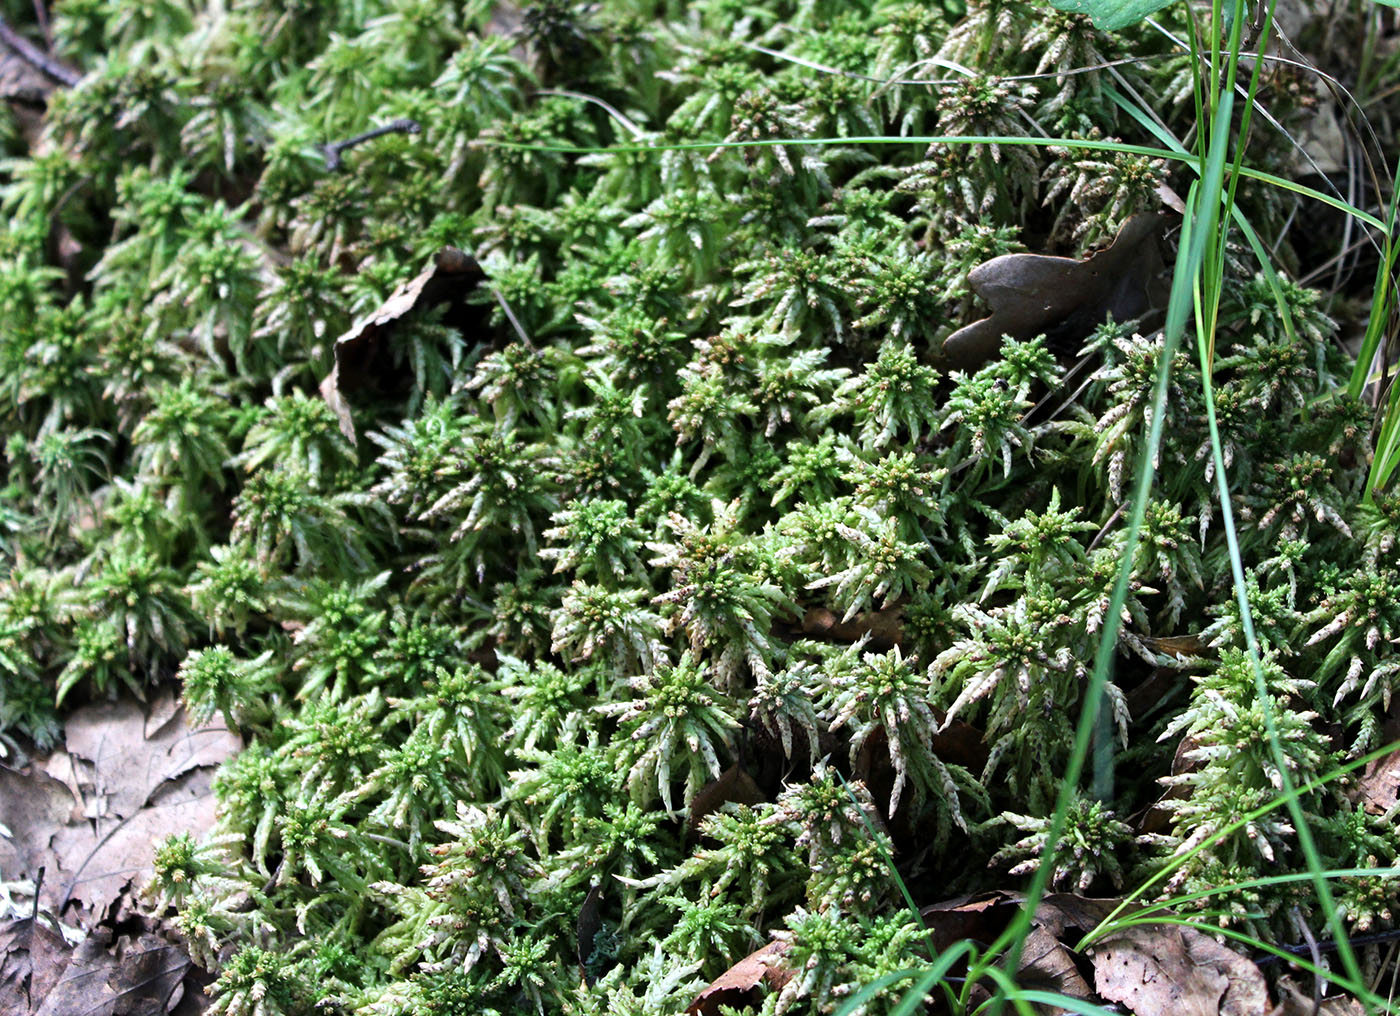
(763, 966)
(1031, 294)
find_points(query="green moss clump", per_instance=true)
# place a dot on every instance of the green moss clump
(578, 625)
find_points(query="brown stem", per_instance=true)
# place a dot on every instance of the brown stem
(34, 56)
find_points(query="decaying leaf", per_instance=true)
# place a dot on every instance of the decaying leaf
(363, 357)
(32, 959)
(1045, 961)
(884, 627)
(1169, 970)
(734, 784)
(1293, 1001)
(590, 922)
(32, 805)
(978, 918)
(1378, 789)
(131, 777)
(1059, 913)
(1031, 294)
(1048, 965)
(763, 966)
(136, 977)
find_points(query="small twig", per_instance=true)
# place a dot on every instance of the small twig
(514, 321)
(1325, 945)
(41, 15)
(332, 149)
(1319, 985)
(34, 56)
(1107, 526)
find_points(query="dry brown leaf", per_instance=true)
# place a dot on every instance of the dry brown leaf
(32, 805)
(734, 784)
(361, 358)
(1293, 1001)
(32, 959)
(1169, 970)
(1378, 789)
(126, 764)
(763, 966)
(1059, 912)
(139, 977)
(590, 922)
(980, 918)
(98, 861)
(1031, 294)
(884, 627)
(139, 774)
(1047, 964)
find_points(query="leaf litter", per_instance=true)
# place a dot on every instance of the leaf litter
(84, 822)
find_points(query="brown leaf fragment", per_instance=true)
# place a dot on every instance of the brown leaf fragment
(32, 805)
(1169, 970)
(363, 356)
(129, 765)
(1060, 912)
(763, 966)
(138, 977)
(1293, 1001)
(734, 784)
(1031, 294)
(885, 628)
(979, 918)
(32, 959)
(590, 922)
(1048, 965)
(1378, 789)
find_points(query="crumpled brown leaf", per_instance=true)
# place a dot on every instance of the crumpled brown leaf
(1170, 970)
(32, 959)
(1294, 1002)
(131, 777)
(763, 966)
(1031, 294)
(136, 977)
(360, 354)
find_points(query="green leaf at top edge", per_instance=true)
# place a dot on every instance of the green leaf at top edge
(1111, 15)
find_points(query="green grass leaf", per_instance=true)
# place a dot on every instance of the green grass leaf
(1111, 15)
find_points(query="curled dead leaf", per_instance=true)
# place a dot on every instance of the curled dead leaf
(1031, 294)
(763, 966)
(362, 354)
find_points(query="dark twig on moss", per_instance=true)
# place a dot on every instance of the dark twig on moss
(331, 150)
(1325, 945)
(33, 55)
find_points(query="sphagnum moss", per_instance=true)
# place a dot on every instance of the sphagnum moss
(559, 585)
